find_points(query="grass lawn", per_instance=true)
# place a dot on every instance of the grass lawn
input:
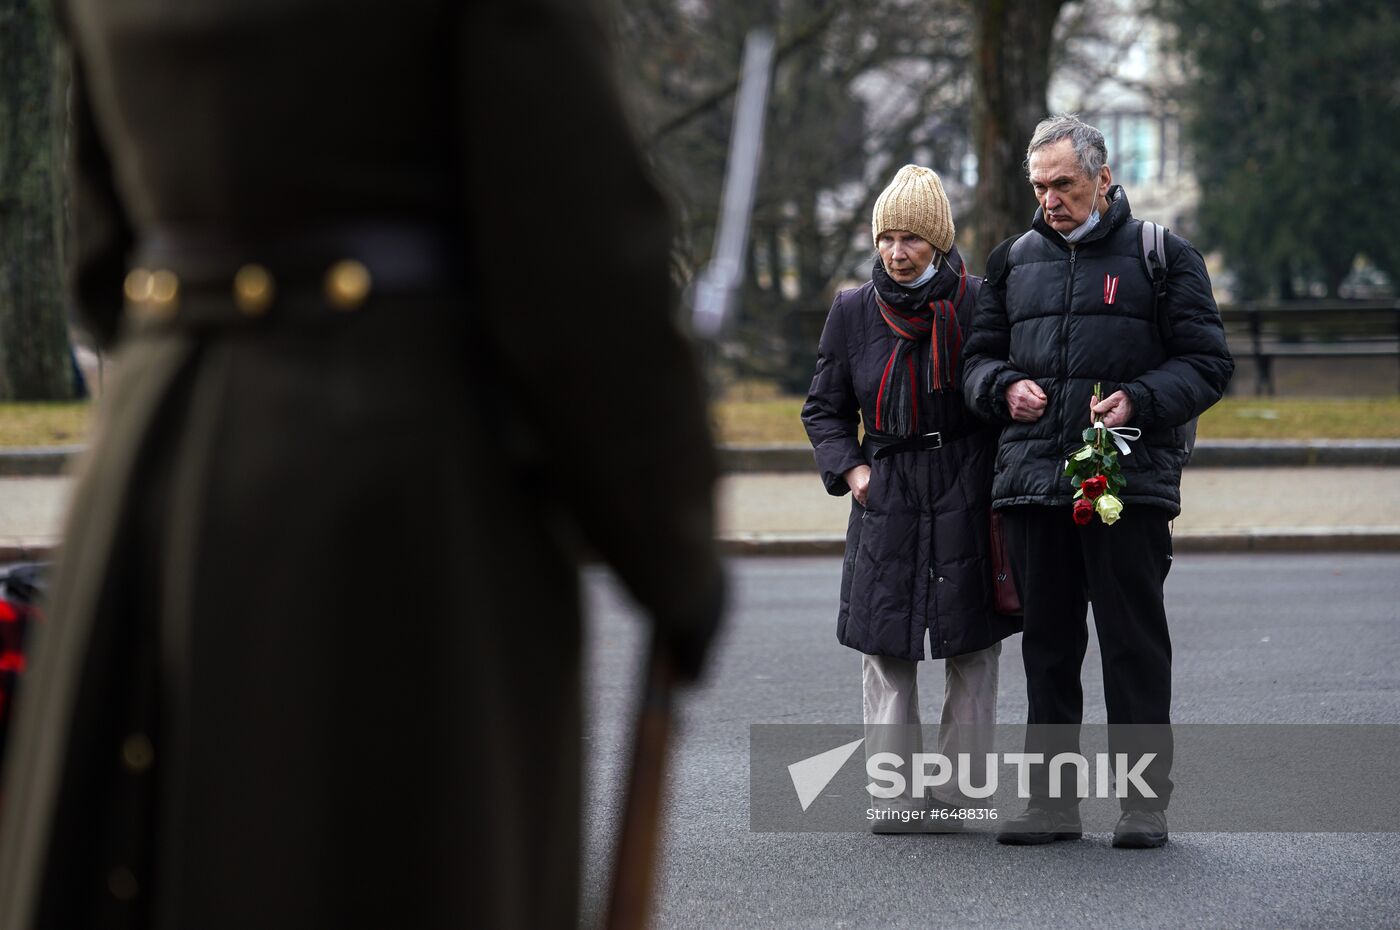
(1303, 418)
(757, 416)
(776, 419)
(44, 424)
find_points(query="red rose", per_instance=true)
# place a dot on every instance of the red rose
(1083, 511)
(1094, 486)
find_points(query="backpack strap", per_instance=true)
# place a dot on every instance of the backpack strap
(1154, 263)
(999, 263)
(1153, 241)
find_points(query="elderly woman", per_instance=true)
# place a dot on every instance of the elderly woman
(917, 579)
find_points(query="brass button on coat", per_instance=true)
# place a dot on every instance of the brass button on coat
(347, 284)
(137, 286)
(137, 752)
(253, 290)
(165, 293)
(152, 293)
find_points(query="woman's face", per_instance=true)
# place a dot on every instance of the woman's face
(904, 255)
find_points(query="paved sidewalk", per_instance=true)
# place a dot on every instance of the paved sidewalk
(31, 515)
(52, 461)
(1313, 508)
(1278, 509)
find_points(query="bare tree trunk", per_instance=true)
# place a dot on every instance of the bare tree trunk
(1336, 265)
(1012, 42)
(1285, 284)
(34, 357)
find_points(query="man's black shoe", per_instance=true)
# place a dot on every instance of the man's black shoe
(1039, 825)
(1140, 830)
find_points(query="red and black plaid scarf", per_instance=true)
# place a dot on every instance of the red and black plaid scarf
(914, 317)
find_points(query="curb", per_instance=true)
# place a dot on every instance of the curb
(37, 461)
(49, 461)
(28, 550)
(1285, 539)
(1295, 453)
(1305, 539)
(1209, 453)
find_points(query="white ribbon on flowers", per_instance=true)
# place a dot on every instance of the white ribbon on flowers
(1122, 435)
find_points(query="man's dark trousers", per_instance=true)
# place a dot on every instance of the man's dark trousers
(1060, 567)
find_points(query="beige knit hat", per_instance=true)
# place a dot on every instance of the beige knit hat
(915, 202)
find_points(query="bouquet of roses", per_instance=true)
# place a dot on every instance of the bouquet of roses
(1094, 471)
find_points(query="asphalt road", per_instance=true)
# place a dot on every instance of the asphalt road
(1276, 639)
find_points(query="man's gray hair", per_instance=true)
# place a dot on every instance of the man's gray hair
(1089, 146)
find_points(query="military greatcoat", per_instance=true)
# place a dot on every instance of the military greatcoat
(313, 656)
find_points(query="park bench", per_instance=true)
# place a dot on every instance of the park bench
(1313, 329)
(1260, 332)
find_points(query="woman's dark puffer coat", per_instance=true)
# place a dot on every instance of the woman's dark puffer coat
(917, 556)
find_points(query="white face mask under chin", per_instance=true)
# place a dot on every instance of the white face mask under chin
(1084, 228)
(927, 275)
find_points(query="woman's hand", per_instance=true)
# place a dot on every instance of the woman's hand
(858, 480)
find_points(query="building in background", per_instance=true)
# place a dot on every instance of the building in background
(1116, 72)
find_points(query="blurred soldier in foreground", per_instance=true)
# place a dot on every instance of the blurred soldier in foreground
(394, 331)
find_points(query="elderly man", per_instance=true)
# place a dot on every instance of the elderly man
(1068, 305)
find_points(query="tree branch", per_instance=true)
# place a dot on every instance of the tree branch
(803, 36)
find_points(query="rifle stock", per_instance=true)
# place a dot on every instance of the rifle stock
(716, 288)
(635, 865)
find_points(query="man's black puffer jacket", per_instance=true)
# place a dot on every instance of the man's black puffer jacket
(1067, 316)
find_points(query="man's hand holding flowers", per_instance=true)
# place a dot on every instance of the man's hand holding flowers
(1093, 469)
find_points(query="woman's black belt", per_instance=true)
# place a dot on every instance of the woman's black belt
(887, 444)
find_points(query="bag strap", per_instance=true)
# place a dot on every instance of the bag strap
(1153, 241)
(1154, 263)
(997, 271)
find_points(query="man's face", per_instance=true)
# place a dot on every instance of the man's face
(1065, 193)
(905, 255)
